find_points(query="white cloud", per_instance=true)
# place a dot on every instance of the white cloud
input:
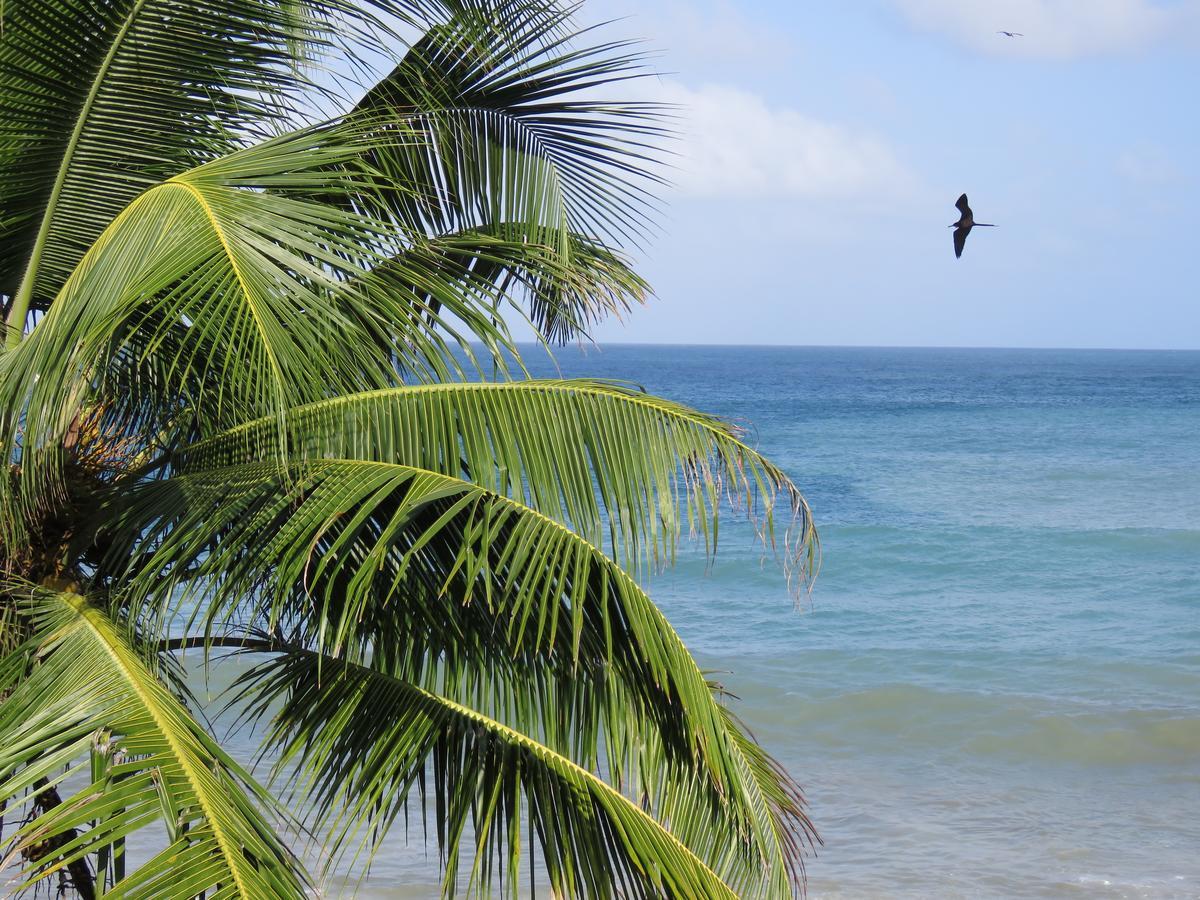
(733, 143)
(1057, 29)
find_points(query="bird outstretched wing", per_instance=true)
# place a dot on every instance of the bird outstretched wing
(960, 239)
(961, 203)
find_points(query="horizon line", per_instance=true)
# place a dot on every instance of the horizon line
(600, 345)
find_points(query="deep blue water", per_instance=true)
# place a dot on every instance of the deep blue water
(994, 688)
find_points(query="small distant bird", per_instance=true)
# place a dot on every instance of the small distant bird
(966, 221)
(1010, 33)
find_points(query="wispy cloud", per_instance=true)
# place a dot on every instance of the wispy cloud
(691, 33)
(1147, 165)
(1056, 29)
(716, 32)
(734, 143)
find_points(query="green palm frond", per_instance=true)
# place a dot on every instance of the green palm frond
(565, 293)
(92, 96)
(568, 293)
(598, 456)
(99, 102)
(461, 589)
(223, 294)
(787, 808)
(93, 694)
(514, 138)
(367, 738)
(330, 547)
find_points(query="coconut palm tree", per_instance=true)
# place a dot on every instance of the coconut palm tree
(259, 401)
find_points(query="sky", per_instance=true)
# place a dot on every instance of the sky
(822, 147)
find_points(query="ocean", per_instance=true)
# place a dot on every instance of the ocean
(993, 689)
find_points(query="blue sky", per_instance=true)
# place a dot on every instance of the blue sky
(823, 146)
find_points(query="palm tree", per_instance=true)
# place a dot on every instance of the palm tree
(259, 400)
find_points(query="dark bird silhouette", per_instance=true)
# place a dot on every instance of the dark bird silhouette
(1010, 33)
(966, 221)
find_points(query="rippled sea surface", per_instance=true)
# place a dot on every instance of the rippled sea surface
(995, 686)
(994, 689)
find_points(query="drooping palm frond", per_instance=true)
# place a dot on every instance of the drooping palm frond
(783, 797)
(597, 456)
(92, 97)
(517, 184)
(338, 762)
(565, 293)
(461, 590)
(220, 296)
(368, 738)
(92, 694)
(352, 537)
(514, 139)
(568, 293)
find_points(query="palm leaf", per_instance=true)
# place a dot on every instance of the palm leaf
(92, 97)
(458, 588)
(565, 292)
(368, 737)
(92, 690)
(613, 459)
(327, 546)
(224, 294)
(509, 144)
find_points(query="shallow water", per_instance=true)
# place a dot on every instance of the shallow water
(994, 690)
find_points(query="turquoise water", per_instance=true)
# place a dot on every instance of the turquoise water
(994, 689)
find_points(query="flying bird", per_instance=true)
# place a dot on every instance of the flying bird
(1010, 33)
(966, 221)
